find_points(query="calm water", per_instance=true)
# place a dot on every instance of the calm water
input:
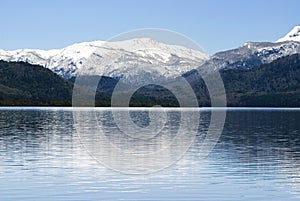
(257, 158)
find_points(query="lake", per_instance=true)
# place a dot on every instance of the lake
(45, 156)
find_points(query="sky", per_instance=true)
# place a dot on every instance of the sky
(216, 25)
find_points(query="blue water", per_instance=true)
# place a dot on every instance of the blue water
(257, 158)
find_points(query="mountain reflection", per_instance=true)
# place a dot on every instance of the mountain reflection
(258, 152)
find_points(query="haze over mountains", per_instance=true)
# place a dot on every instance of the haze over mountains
(143, 60)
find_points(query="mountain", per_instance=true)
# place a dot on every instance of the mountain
(25, 84)
(142, 60)
(276, 84)
(254, 74)
(293, 35)
(236, 67)
(250, 55)
(137, 61)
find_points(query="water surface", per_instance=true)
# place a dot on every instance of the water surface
(256, 158)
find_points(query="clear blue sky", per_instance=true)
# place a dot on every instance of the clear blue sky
(215, 25)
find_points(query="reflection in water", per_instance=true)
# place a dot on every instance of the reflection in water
(257, 158)
(124, 146)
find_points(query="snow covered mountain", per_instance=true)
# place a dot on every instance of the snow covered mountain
(253, 54)
(137, 60)
(142, 60)
(250, 55)
(293, 35)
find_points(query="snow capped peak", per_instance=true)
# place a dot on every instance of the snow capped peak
(293, 35)
(136, 60)
(249, 45)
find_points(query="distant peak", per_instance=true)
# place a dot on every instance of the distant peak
(293, 35)
(248, 45)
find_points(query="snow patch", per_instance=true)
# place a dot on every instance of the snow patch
(293, 35)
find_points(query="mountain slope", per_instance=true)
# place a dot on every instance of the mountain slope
(137, 61)
(293, 35)
(273, 85)
(276, 84)
(25, 84)
(250, 55)
(279, 76)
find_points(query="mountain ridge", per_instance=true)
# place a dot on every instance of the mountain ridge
(133, 60)
(143, 60)
(275, 84)
(293, 35)
(138, 61)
